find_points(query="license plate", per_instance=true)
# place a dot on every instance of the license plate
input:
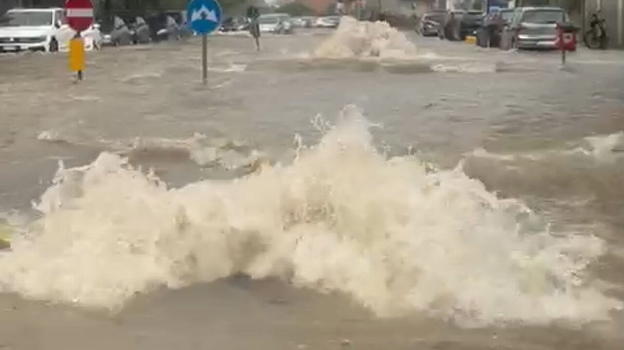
(545, 43)
(10, 48)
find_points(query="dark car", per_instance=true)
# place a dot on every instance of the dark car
(459, 24)
(470, 22)
(116, 33)
(429, 23)
(491, 30)
(234, 24)
(533, 28)
(141, 33)
(168, 25)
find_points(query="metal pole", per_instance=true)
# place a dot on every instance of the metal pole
(79, 73)
(620, 25)
(204, 58)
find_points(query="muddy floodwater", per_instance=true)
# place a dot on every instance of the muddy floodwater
(332, 191)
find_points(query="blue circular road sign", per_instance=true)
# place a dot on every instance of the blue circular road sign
(204, 16)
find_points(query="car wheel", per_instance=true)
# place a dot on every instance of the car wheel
(53, 45)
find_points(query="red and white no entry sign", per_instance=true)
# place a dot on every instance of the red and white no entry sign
(79, 14)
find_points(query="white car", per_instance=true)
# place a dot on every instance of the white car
(328, 22)
(277, 23)
(40, 29)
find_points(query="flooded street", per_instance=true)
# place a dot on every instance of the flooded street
(447, 197)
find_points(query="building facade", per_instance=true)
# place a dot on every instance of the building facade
(580, 12)
(613, 13)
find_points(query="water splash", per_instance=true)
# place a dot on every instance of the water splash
(468, 67)
(392, 233)
(365, 39)
(603, 149)
(606, 148)
(225, 153)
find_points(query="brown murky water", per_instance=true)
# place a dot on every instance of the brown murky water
(529, 130)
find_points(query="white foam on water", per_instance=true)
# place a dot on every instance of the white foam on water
(483, 153)
(355, 39)
(395, 235)
(606, 147)
(242, 33)
(229, 154)
(231, 68)
(468, 67)
(141, 76)
(50, 135)
(600, 148)
(84, 98)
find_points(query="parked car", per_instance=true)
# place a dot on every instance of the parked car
(275, 23)
(327, 22)
(309, 21)
(298, 22)
(31, 29)
(458, 24)
(184, 30)
(491, 30)
(429, 23)
(119, 34)
(141, 33)
(533, 28)
(234, 24)
(42, 29)
(92, 37)
(168, 25)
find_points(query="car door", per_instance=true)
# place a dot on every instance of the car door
(509, 30)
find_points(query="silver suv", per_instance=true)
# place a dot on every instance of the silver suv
(533, 28)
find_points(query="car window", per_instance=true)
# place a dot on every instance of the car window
(60, 17)
(543, 16)
(434, 17)
(517, 15)
(268, 20)
(27, 18)
(507, 15)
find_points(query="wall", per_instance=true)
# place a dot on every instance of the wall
(320, 7)
(613, 13)
(7, 5)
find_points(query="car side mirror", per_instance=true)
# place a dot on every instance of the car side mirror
(57, 24)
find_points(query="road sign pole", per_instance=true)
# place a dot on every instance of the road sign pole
(79, 73)
(79, 15)
(205, 18)
(204, 58)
